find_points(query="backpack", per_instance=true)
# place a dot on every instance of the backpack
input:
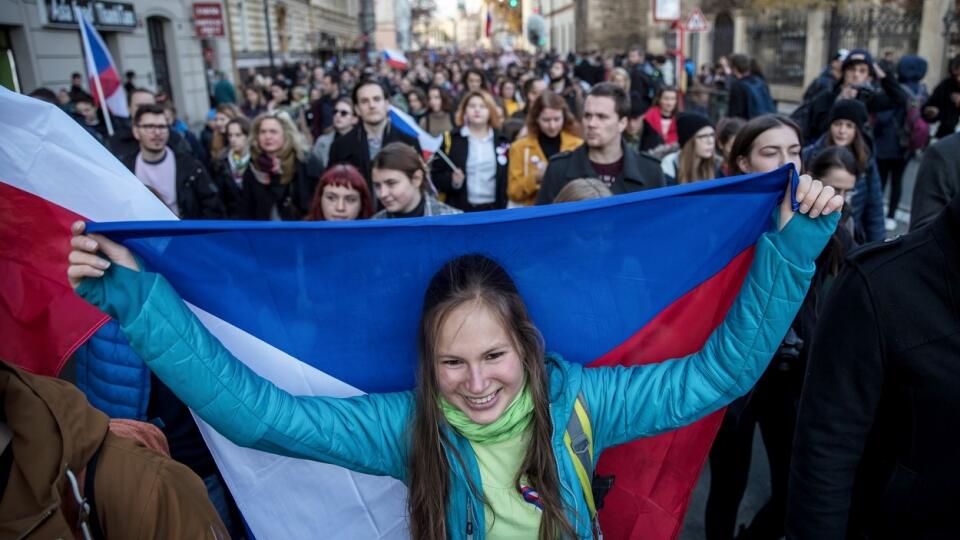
(914, 131)
(759, 101)
(578, 439)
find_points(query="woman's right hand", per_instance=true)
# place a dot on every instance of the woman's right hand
(84, 260)
(458, 178)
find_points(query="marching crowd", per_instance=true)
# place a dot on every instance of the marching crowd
(858, 408)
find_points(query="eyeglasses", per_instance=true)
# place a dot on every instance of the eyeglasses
(153, 127)
(341, 112)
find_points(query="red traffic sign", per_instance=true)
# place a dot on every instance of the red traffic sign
(697, 22)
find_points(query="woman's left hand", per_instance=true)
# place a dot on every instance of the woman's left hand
(815, 200)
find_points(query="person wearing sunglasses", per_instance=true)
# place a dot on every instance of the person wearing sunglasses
(343, 121)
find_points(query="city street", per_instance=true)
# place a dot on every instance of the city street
(310, 259)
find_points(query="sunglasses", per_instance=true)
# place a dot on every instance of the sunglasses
(341, 112)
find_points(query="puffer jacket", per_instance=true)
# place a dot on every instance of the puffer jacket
(369, 433)
(112, 376)
(867, 203)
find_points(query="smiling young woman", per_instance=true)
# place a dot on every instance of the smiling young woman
(477, 440)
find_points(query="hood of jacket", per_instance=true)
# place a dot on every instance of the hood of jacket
(911, 68)
(53, 428)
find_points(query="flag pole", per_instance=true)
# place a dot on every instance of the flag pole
(88, 55)
(445, 159)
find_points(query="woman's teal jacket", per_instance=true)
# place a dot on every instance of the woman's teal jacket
(370, 433)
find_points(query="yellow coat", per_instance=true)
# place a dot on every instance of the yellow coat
(526, 158)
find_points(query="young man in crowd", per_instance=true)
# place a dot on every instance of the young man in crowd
(88, 114)
(123, 144)
(604, 154)
(862, 79)
(177, 178)
(323, 108)
(373, 132)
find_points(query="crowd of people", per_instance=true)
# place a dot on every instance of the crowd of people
(318, 143)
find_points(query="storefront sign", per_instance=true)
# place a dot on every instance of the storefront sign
(208, 19)
(103, 14)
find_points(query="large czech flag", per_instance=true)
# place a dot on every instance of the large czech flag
(101, 68)
(332, 308)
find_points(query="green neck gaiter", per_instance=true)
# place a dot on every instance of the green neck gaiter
(511, 423)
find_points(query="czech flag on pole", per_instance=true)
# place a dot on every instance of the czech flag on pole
(405, 123)
(102, 73)
(395, 59)
(331, 308)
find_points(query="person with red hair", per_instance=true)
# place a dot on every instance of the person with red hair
(341, 195)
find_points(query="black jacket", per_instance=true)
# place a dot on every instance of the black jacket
(230, 192)
(938, 180)
(292, 201)
(640, 172)
(888, 95)
(197, 195)
(352, 148)
(458, 151)
(948, 114)
(877, 448)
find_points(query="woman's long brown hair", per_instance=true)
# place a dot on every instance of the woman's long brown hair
(476, 278)
(693, 168)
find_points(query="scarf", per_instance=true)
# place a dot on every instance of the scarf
(511, 423)
(653, 117)
(264, 165)
(238, 165)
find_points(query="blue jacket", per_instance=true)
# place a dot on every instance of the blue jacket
(369, 433)
(867, 203)
(114, 379)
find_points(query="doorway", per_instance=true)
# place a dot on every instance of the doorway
(158, 52)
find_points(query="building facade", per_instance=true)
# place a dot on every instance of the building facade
(156, 39)
(299, 30)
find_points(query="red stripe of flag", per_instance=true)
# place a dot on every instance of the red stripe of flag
(42, 321)
(655, 476)
(109, 81)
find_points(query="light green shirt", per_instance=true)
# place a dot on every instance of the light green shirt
(511, 517)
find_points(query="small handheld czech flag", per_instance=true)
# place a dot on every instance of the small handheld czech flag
(395, 59)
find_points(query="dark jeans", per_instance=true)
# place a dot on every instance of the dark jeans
(892, 168)
(772, 405)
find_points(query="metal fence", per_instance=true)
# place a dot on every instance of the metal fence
(779, 42)
(876, 27)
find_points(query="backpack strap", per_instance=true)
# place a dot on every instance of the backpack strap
(93, 520)
(579, 441)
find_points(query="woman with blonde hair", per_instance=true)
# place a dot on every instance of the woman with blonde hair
(282, 176)
(621, 78)
(479, 154)
(583, 189)
(551, 129)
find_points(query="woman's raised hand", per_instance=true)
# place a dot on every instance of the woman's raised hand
(84, 260)
(815, 200)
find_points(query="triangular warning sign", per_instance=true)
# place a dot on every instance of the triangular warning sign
(697, 22)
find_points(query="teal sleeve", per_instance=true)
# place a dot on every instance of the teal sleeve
(627, 403)
(365, 433)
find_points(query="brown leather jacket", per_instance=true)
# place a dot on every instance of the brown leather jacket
(139, 493)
